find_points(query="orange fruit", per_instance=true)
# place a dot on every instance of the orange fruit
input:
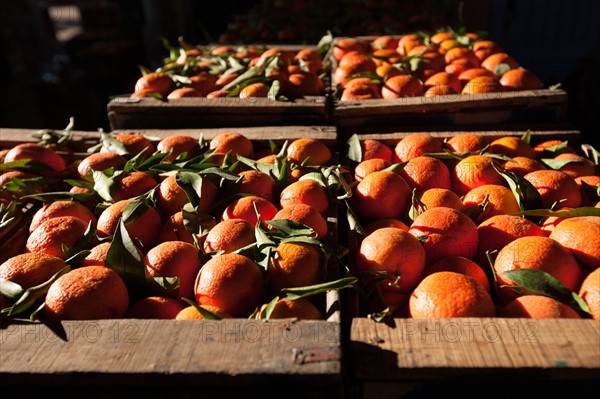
(97, 255)
(157, 82)
(383, 223)
(31, 269)
(467, 142)
(143, 230)
(311, 58)
(590, 292)
(520, 79)
(443, 78)
(230, 282)
(484, 48)
(460, 65)
(369, 166)
(300, 308)
(542, 152)
(243, 208)
(306, 215)
(229, 236)
(353, 63)
(440, 37)
(581, 166)
(440, 90)
(512, 147)
(423, 173)
(307, 192)
(582, 236)
(441, 197)
(62, 208)
(134, 143)
(203, 83)
(385, 42)
(456, 53)
(234, 142)
(178, 144)
(407, 43)
(52, 234)
(469, 74)
(538, 307)
(154, 307)
(87, 293)
(401, 86)
(170, 198)
(462, 265)
(174, 230)
(303, 84)
(449, 294)
(375, 149)
(500, 200)
(415, 145)
(258, 89)
(100, 161)
(191, 313)
(395, 252)
(183, 92)
(482, 84)
(256, 183)
(500, 230)
(37, 153)
(217, 94)
(522, 165)
(540, 253)
(492, 61)
(555, 186)
(295, 264)
(447, 232)
(549, 223)
(474, 171)
(132, 185)
(357, 92)
(308, 151)
(380, 195)
(386, 71)
(175, 259)
(346, 44)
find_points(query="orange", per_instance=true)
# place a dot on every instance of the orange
(415, 145)
(303, 84)
(217, 94)
(449, 294)
(157, 82)
(441, 197)
(234, 142)
(143, 230)
(132, 185)
(484, 48)
(395, 252)
(460, 65)
(474, 171)
(440, 37)
(154, 307)
(369, 166)
(37, 153)
(423, 173)
(386, 71)
(183, 92)
(407, 43)
(375, 149)
(512, 147)
(307, 192)
(362, 91)
(492, 61)
(467, 142)
(456, 53)
(309, 151)
(229, 236)
(380, 195)
(459, 264)
(50, 236)
(224, 80)
(295, 264)
(443, 78)
(469, 74)
(62, 208)
(175, 259)
(191, 313)
(590, 292)
(447, 44)
(170, 198)
(258, 89)
(500, 200)
(100, 161)
(178, 144)
(311, 58)
(31, 269)
(382, 223)
(299, 308)
(541, 152)
(204, 83)
(538, 307)
(385, 42)
(549, 223)
(346, 44)
(401, 86)
(582, 236)
(555, 186)
(97, 255)
(353, 63)
(174, 230)
(520, 79)
(243, 208)
(522, 165)
(134, 143)
(447, 233)
(539, 253)
(440, 90)
(256, 183)
(581, 166)
(499, 231)
(482, 84)
(230, 282)
(87, 293)
(306, 215)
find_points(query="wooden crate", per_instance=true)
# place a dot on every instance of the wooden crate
(184, 113)
(155, 358)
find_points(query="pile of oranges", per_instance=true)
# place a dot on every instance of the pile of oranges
(440, 64)
(227, 71)
(469, 227)
(183, 228)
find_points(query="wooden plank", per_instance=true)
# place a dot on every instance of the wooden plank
(415, 349)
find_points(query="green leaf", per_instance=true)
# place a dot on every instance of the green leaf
(555, 86)
(591, 153)
(268, 310)
(501, 69)
(83, 243)
(538, 282)
(354, 149)
(208, 315)
(112, 144)
(581, 211)
(191, 183)
(309, 290)
(558, 164)
(30, 165)
(315, 176)
(259, 166)
(218, 172)
(291, 228)
(353, 221)
(80, 184)
(163, 286)
(396, 168)
(526, 137)
(124, 257)
(591, 192)
(417, 207)
(9, 289)
(61, 196)
(77, 258)
(274, 90)
(103, 185)
(251, 73)
(525, 193)
(136, 208)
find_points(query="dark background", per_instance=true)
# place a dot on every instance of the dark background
(66, 58)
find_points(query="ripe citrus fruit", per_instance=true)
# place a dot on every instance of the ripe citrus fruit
(441, 197)
(170, 197)
(310, 151)
(234, 142)
(38, 153)
(512, 147)
(522, 165)
(381, 194)
(369, 166)
(294, 265)
(462, 265)
(579, 166)
(498, 200)
(31, 269)
(590, 292)
(382, 223)
(582, 236)
(538, 307)
(520, 79)
(178, 144)
(306, 215)
(143, 230)
(97, 255)
(415, 145)
(50, 236)
(243, 208)
(132, 185)
(555, 187)
(100, 161)
(256, 183)
(300, 308)
(466, 142)
(474, 171)
(482, 84)
(62, 208)
(422, 173)
(402, 86)
(229, 236)
(307, 192)
(134, 143)
(154, 307)
(375, 149)
(191, 313)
